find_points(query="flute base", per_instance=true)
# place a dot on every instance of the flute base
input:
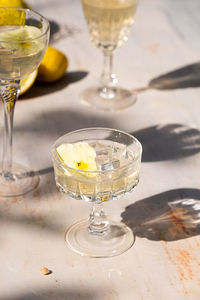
(113, 101)
(116, 240)
(20, 182)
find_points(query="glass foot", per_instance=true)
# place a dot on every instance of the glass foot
(20, 182)
(115, 241)
(121, 99)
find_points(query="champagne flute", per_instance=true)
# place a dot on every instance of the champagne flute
(97, 165)
(24, 36)
(109, 24)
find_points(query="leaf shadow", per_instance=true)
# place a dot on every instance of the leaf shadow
(167, 142)
(181, 78)
(168, 216)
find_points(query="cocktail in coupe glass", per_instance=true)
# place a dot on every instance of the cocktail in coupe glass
(109, 24)
(24, 36)
(97, 165)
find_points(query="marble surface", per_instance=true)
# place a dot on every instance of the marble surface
(161, 62)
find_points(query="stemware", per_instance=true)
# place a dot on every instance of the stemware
(24, 36)
(116, 172)
(109, 24)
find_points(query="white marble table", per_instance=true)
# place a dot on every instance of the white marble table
(163, 211)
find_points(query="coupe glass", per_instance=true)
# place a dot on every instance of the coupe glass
(24, 37)
(109, 24)
(118, 160)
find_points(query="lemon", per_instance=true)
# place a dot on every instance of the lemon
(11, 16)
(27, 82)
(53, 65)
(13, 3)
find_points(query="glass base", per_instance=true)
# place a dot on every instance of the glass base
(20, 182)
(121, 99)
(115, 241)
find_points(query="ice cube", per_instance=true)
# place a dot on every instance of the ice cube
(97, 146)
(103, 156)
(111, 165)
(119, 149)
(104, 152)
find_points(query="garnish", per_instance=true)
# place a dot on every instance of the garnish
(80, 156)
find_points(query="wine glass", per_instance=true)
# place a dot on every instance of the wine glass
(109, 24)
(99, 164)
(24, 37)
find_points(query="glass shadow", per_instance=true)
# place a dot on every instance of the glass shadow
(169, 216)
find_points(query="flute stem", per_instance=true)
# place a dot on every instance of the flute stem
(9, 92)
(108, 78)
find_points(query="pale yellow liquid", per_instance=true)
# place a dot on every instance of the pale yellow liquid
(109, 21)
(18, 59)
(103, 186)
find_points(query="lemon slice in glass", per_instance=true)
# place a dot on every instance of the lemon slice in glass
(21, 38)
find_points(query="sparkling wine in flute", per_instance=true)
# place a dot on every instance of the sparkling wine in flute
(109, 23)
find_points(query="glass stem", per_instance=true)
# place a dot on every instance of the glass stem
(9, 92)
(99, 223)
(108, 78)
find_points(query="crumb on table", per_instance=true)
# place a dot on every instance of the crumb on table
(46, 271)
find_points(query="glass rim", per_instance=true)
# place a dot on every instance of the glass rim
(130, 163)
(28, 10)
